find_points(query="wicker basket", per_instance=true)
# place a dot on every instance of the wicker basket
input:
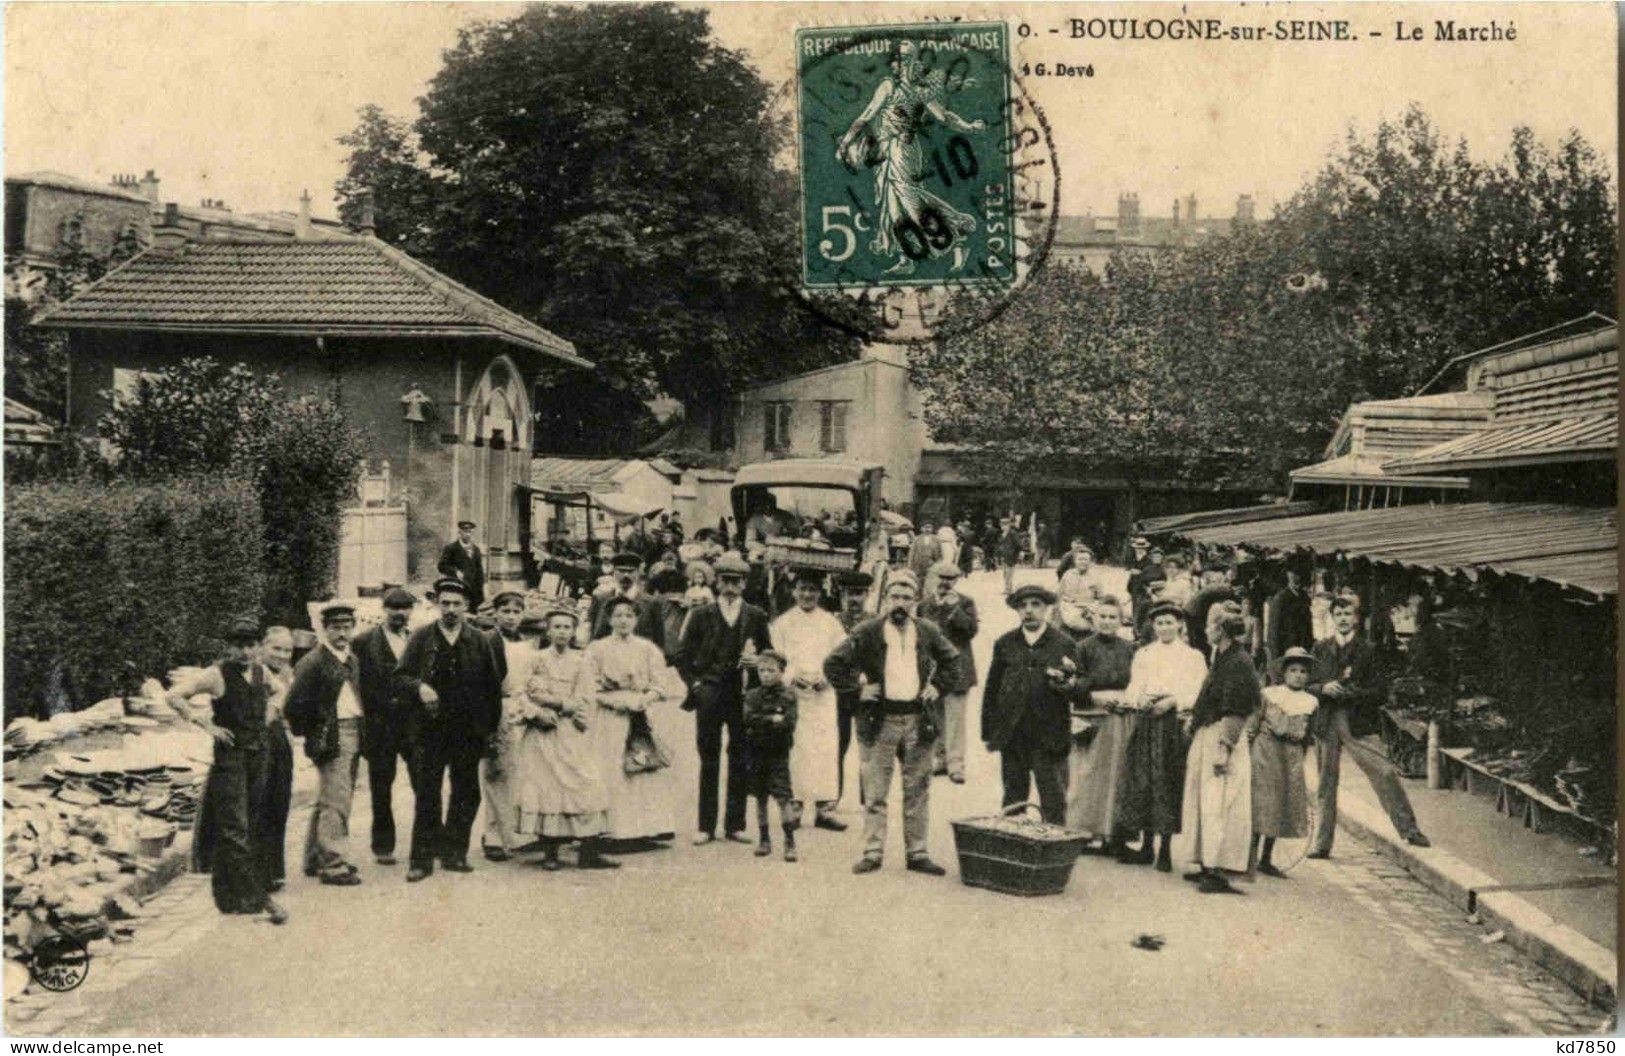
(1019, 856)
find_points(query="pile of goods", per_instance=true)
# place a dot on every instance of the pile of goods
(92, 799)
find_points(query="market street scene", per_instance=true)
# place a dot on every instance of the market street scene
(655, 520)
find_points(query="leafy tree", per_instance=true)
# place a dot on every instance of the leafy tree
(611, 172)
(1232, 358)
(1427, 253)
(300, 455)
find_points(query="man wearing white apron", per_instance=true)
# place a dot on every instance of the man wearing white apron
(806, 634)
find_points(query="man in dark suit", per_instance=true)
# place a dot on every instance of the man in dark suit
(324, 707)
(451, 677)
(651, 613)
(1032, 683)
(899, 666)
(461, 559)
(384, 728)
(955, 615)
(1346, 680)
(1288, 619)
(720, 643)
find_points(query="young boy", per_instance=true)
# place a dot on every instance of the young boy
(770, 723)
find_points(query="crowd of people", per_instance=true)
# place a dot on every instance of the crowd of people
(1182, 708)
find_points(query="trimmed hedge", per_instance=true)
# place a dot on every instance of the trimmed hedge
(98, 574)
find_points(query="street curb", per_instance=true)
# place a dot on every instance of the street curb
(1589, 969)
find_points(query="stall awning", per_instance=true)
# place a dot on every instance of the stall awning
(1572, 546)
(620, 507)
(1235, 515)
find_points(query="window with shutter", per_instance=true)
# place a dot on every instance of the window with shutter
(776, 430)
(832, 426)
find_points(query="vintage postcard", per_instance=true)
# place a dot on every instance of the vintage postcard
(864, 520)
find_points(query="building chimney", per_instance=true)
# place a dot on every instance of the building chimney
(149, 186)
(1176, 212)
(301, 227)
(169, 237)
(1128, 211)
(365, 224)
(1190, 208)
(1244, 209)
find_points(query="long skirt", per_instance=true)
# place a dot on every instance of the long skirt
(1153, 784)
(640, 805)
(1094, 805)
(496, 783)
(1218, 809)
(559, 792)
(1280, 798)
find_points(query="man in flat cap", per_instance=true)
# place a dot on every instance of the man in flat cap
(898, 666)
(1027, 703)
(324, 707)
(384, 727)
(955, 615)
(720, 642)
(236, 786)
(462, 560)
(451, 677)
(651, 625)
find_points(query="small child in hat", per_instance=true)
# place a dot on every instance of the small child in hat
(1277, 734)
(770, 724)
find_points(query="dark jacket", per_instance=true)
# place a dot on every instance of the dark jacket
(1105, 662)
(959, 623)
(864, 654)
(1019, 697)
(1290, 623)
(1229, 694)
(710, 652)
(378, 698)
(470, 568)
(311, 706)
(1355, 666)
(761, 704)
(475, 703)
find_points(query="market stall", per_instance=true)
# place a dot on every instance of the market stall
(1497, 623)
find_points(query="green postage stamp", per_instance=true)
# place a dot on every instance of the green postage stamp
(906, 177)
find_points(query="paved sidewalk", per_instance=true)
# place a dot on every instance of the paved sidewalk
(1578, 890)
(1556, 905)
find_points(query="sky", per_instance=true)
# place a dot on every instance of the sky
(244, 102)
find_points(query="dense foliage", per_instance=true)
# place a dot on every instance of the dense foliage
(1233, 357)
(611, 172)
(301, 456)
(100, 574)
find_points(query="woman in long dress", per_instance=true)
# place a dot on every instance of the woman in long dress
(560, 794)
(1164, 680)
(623, 675)
(497, 839)
(1278, 732)
(806, 635)
(1097, 769)
(1218, 809)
